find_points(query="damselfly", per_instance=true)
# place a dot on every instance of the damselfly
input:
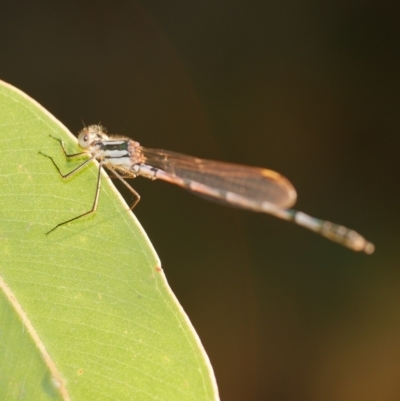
(257, 189)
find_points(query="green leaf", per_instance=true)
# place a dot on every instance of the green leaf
(85, 312)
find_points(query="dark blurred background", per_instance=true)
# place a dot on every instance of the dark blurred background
(308, 88)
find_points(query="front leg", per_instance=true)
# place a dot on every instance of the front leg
(75, 170)
(63, 148)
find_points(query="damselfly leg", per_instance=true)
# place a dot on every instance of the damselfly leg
(77, 169)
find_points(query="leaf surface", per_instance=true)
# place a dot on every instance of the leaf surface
(85, 312)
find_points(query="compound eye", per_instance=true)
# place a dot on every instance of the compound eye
(84, 138)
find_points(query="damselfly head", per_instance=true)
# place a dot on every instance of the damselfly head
(90, 135)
